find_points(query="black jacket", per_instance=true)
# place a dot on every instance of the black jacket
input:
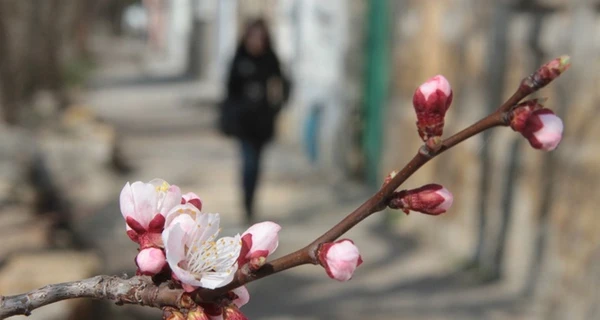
(250, 113)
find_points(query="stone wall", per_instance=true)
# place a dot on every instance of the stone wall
(452, 38)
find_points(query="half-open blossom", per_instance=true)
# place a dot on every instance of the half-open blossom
(430, 199)
(144, 207)
(340, 259)
(258, 242)
(431, 100)
(543, 130)
(150, 261)
(193, 199)
(196, 258)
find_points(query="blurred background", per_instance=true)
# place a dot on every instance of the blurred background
(95, 93)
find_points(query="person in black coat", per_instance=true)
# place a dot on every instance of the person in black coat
(256, 91)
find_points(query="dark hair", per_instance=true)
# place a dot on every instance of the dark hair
(259, 23)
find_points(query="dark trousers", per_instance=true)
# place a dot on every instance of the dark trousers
(251, 152)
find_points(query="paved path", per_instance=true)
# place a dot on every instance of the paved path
(166, 126)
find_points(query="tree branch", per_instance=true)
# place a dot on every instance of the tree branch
(378, 202)
(136, 290)
(141, 290)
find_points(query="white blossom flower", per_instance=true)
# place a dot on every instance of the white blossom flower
(196, 258)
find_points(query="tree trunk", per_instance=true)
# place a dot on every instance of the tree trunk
(513, 163)
(496, 78)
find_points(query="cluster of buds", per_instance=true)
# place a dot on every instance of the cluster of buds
(431, 100)
(431, 199)
(176, 239)
(540, 126)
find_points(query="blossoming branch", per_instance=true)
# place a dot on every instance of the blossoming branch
(184, 268)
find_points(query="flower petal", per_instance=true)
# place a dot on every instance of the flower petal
(145, 201)
(243, 296)
(181, 209)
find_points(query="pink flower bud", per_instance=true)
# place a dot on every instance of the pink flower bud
(193, 199)
(545, 74)
(431, 199)
(340, 259)
(543, 130)
(258, 242)
(150, 261)
(231, 312)
(521, 112)
(431, 101)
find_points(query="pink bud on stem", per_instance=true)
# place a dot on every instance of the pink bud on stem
(543, 130)
(432, 199)
(540, 126)
(545, 74)
(150, 261)
(431, 100)
(340, 259)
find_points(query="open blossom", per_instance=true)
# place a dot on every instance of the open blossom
(196, 258)
(340, 259)
(258, 242)
(431, 100)
(430, 199)
(193, 199)
(150, 261)
(543, 130)
(144, 207)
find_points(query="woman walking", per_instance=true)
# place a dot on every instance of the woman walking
(256, 92)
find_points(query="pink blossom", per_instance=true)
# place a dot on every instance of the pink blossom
(144, 206)
(150, 261)
(258, 242)
(193, 199)
(431, 100)
(340, 259)
(430, 199)
(543, 130)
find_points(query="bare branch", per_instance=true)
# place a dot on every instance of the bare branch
(136, 290)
